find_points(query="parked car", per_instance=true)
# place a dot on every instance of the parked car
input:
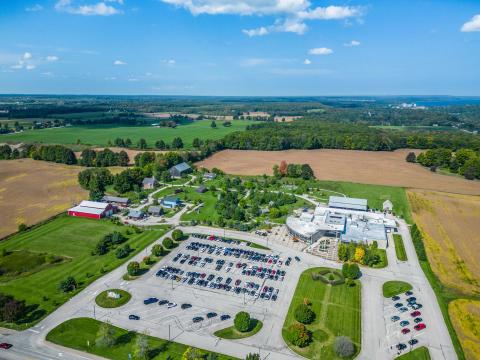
(171, 305)
(409, 293)
(395, 318)
(224, 317)
(416, 313)
(405, 331)
(197, 319)
(413, 342)
(150, 300)
(211, 315)
(403, 309)
(401, 346)
(133, 317)
(404, 323)
(420, 326)
(186, 306)
(417, 320)
(297, 258)
(163, 302)
(395, 298)
(5, 346)
(398, 305)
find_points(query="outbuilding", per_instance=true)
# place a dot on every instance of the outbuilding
(149, 183)
(136, 214)
(387, 206)
(91, 209)
(201, 189)
(116, 200)
(180, 170)
(209, 176)
(170, 202)
(155, 210)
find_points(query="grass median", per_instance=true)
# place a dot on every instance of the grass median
(232, 333)
(399, 247)
(392, 288)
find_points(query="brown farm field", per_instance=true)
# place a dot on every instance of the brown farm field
(366, 167)
(32, 191)
(450, 224)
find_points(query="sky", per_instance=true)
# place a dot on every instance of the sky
(240, 47)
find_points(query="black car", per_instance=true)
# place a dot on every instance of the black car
(297, 258)
(186, 306)
(163, 302)
(409, 293)
(401, 346)
(150, 300)
(211, 315)
(224, 317)
(395, 298)
(413, 342)
(412, 299)
(133, 317)
(417, 320)
(197, 319)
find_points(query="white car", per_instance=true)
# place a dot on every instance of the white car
(171, 305)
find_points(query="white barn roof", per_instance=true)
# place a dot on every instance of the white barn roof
(347, 203)
(87, 210)
(93, 204)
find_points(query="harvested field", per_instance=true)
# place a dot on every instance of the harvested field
(366, 167)
(32, 191)
(451, 229)
(465, 315)
(131, 152)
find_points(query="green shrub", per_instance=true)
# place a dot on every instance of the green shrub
(344, 347)
(299, 335)
(167, 243)
(177, 235)
(242, 321)
(304, 314)
(133, 268)
(157, 250)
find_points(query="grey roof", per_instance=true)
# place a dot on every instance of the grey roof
(116, 199)
(154, 209)
(182, 167)
(149, 181)
(347, 203)
(363, 231)
(171, 199)
(135, 213)
(202, 187)
(210, 175)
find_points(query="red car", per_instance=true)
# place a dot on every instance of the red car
(5, 346)
(405, 330)
(238, 282)
(420, 326)
(416, 313)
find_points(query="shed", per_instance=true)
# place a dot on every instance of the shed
(116, 200)
(155, 210)
(201, 189)
(170, 202)
(387, 205)
(209, 176)
(149, 183)
(136, 214)
(180, 170)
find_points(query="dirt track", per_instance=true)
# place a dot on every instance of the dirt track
(368, 167)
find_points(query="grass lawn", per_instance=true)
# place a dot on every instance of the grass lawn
(392, 288)
(104, 301)
(418, 354)
(72, 238)
(232, 333)
(99, 135)
(338, 313)
(78, 333)
(383, 259)
(399, 247)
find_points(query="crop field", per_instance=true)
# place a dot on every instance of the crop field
(99, 135)
(366, 167)
(451, 229)
(465, 315)
(32, 191)
(337, 310)
(71, 241)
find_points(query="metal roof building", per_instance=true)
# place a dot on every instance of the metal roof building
(347, 203)
(91, 209)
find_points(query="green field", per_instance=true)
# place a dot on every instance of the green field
(99, 135)
(338, 313)
(392, 288)
(71, 238)
(78, 333)
(232, 333)
(418, 354)
(104, 301)
(399, 247)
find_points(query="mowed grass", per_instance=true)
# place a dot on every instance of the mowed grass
(418, 354)
(69, 237)
(392, 288)
(99, 135)
(338, 313)
(399, 247)
(105, 301)
(232, 333)
(77, 333)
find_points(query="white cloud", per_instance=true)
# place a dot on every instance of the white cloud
(320, 51)
(169, 62)
(52, 58)
(34, 8)
(99, 8)
(290, 14)
(352, 43)
(472, 25)
(25, 62)
(307, 62)
(27, 56)
(30, 66)
(119, 62)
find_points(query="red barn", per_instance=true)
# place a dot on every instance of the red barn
(91, 209)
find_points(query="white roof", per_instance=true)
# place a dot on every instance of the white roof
(348, 203)
(87, 210)
(93, 204)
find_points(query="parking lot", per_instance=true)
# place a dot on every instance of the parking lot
(205, 281)
(406, 325)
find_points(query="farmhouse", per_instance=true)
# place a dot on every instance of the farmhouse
(180, 170)
(149, 183)
(387, 206)
(170, 202)
(115, 200)
(91, 209)
(347, 203)
(155, 210)
(136, 214)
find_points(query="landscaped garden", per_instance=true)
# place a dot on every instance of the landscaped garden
(111, 342)
(113, 298)
(324, 317)
(64, 256)
(244, 326)
(420, 353)
(399, 247)
(392, 288)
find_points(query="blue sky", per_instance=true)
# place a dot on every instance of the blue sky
(240, 47)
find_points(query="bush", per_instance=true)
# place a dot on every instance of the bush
(344, 347)
(133, 268)
(22, 227)
(299, 335)
(253, 356)
(177, 235)
(304, 314)
(242, 321)
(157, 250)
(123, 251)
(167, 243)
(67, 285)
(350, 271)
